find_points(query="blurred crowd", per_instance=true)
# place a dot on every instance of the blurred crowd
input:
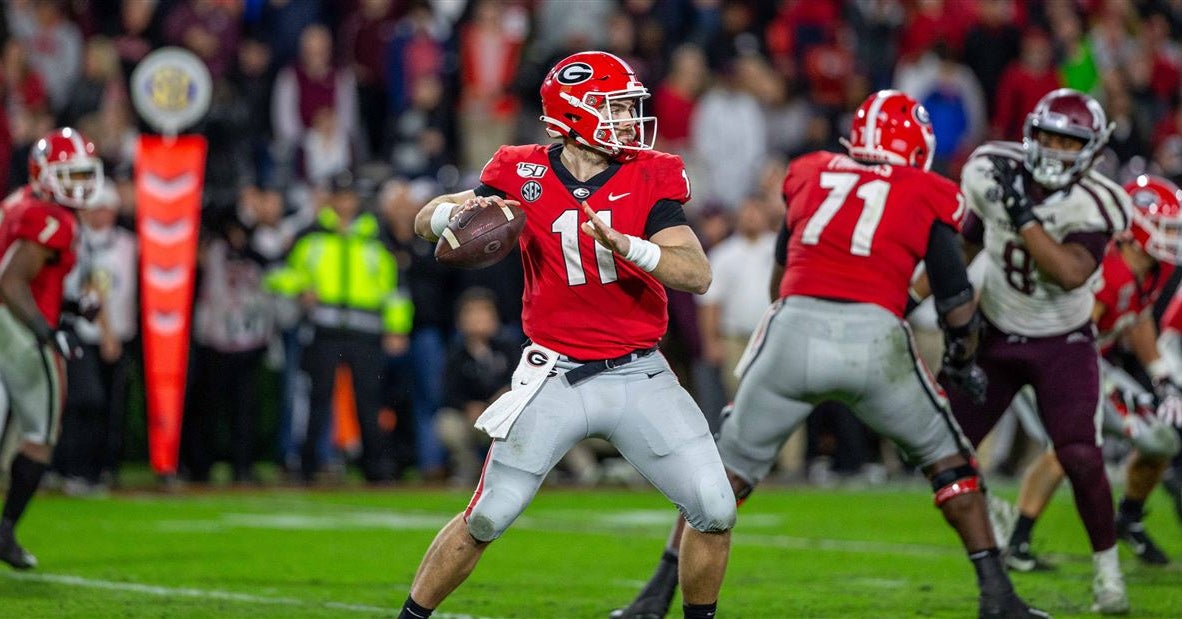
(333, 121)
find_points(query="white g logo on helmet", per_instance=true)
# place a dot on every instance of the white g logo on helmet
(574, 73)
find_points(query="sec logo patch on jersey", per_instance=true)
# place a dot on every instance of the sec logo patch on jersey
(531, 191)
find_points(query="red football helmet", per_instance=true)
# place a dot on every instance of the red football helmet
(891, 127)
(577, 98)
(63, 166)
(1157, 217)
(1065, 112)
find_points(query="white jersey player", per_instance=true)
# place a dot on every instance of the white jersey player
(1016, 296)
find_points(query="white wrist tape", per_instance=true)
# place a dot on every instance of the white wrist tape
(441, 217)
(642, 253)
(1158, 369)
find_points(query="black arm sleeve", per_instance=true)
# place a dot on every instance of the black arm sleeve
(782, 245)
(486, 191)
(946, 270)
(664, 214)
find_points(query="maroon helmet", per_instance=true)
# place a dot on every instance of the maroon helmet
(1065, 112)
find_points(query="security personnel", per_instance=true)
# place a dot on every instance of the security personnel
(346, 281)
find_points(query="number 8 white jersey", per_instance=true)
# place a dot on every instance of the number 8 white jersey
(1015, 295)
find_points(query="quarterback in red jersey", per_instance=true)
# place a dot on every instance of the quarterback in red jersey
(605, 233)
(1134, 272)
(857, 226)
(37, 233)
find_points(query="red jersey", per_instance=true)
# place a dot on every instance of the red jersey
(1125, 298)
(1172, 318)
(24, 217)
(581, 299)
(858, 231)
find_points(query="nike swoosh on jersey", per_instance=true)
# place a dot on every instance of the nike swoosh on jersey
(611, 197)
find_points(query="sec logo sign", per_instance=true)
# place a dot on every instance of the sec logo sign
(171, 89)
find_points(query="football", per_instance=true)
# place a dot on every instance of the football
(480, 237)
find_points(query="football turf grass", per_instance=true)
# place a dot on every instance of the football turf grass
(798, 552)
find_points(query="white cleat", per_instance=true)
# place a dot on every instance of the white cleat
(1108, 595)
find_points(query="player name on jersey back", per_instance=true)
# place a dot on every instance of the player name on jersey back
(857, 230)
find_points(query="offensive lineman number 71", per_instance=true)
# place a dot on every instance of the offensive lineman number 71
(839, 184)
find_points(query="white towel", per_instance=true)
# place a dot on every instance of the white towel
(536, 363)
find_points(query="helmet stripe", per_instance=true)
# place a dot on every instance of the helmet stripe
(871, 127)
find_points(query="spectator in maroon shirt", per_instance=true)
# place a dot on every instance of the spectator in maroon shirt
(674, 99)
(311, 84)
(1023, 83)
(363, 37)
(209, 28)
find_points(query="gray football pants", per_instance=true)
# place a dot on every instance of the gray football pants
(642, 410)
(814, 350)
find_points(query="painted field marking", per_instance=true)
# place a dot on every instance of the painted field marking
(207, 594)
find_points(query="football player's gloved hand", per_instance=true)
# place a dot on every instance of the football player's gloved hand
(1169, 402)
(969, 378)
(67, 344)
(64, 342)
(86, 307)
(1012, 185)
(960, 352)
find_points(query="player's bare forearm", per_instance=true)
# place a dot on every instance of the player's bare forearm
(423, 217)
(683, 264)
(16, 291)
(1067, 264)
(682, 268)
(1142, 339)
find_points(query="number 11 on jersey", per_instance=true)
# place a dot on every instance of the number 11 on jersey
(873, 195)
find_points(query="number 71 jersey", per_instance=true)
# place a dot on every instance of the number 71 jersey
(581, 299)
(1015, 295)
(858, 231)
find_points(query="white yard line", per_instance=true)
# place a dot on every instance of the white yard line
(206, 594)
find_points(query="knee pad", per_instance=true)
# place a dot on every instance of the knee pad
(493, 512)
(951, 483)
(716, 506)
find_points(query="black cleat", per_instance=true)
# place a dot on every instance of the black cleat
(12, 553)
(1020, 559)
(644, 608)
(1132, 532)
(1010, 607)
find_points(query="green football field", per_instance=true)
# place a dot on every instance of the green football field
(352, 553)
